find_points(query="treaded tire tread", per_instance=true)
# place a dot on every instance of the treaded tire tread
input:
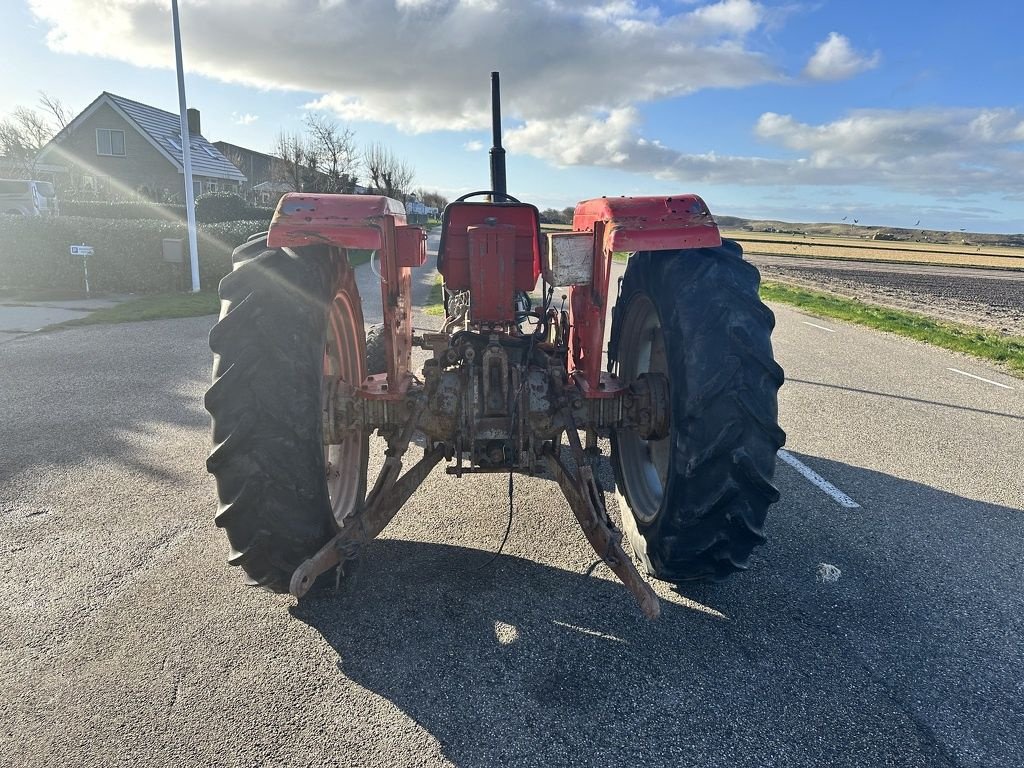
(265, 402)
(376, 351)
(724, 411)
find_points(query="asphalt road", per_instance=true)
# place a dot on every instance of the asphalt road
(125, 639)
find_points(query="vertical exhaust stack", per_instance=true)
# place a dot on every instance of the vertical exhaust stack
(498, 184)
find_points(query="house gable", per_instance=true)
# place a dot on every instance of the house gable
(123, 147)
(87, 149)
(98, 112)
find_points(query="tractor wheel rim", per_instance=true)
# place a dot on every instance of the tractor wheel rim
(344, 360)
(644, 464)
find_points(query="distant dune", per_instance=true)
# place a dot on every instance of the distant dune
(869, 233)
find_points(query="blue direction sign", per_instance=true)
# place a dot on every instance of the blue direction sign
(81, 250)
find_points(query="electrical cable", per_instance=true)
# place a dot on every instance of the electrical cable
(508, 529)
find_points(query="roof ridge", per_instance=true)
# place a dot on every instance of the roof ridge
(143, 104)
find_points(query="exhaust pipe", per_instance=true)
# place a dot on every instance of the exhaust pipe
(498, 184)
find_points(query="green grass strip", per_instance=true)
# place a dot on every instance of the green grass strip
(435, 300)
(979, 342)
(160, 306)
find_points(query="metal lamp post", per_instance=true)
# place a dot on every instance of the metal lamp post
(186, 153)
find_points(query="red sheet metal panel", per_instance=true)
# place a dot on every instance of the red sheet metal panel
(453, 256)
(492, 273)
(411, 244)
(649, 223)
(348, 221)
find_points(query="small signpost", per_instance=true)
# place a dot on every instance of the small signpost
(84, 251)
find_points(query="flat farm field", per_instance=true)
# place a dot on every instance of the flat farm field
(948, 254)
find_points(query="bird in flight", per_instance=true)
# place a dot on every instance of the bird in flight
(844, 218)
(917, 222)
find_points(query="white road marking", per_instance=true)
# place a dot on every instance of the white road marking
(822, 327)
(817, 480)
(987, 381)
(591, 632)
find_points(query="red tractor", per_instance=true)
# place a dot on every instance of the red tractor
(686, 388)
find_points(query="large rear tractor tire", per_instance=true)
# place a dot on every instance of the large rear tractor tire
(694, 503)
(289, 318)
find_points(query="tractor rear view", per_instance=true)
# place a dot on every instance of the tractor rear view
(515, 381)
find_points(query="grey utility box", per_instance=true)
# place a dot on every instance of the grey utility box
(174, 251)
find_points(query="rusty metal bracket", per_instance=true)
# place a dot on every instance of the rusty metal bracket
(389, 493)
(366, 524)
(585, 501)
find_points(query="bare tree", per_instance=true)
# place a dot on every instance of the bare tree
(292, 158)
(27, 131)
(60, 114)
(332, 152)
(243, 163)
(388, 174)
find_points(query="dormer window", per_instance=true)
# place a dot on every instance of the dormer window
(109, 142)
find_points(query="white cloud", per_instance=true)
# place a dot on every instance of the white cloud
(835, 59)
(575, 77)
(733, 16)
(423, 64)
(957, 151)
(246, 119)
(578, 140)
(473, 146)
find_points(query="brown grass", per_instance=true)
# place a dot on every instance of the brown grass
(875, 250)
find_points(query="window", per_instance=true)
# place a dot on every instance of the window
(175, 141)
(211, 186)
(109, 142)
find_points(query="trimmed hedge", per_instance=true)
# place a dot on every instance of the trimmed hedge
(227, 206)
(97, 209)
(129, 256)
(210, 208)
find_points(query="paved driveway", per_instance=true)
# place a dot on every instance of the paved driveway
(19, 318)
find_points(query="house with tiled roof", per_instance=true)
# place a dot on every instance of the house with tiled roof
(118, 148)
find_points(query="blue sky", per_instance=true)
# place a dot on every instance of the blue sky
(885, 112)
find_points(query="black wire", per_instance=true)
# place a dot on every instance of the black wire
(508, 529)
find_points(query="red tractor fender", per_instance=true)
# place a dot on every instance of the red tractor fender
(369, 222)
(348, 221)
(625, 224)
(649, 223)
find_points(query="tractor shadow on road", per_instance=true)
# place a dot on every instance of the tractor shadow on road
(524, 663)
